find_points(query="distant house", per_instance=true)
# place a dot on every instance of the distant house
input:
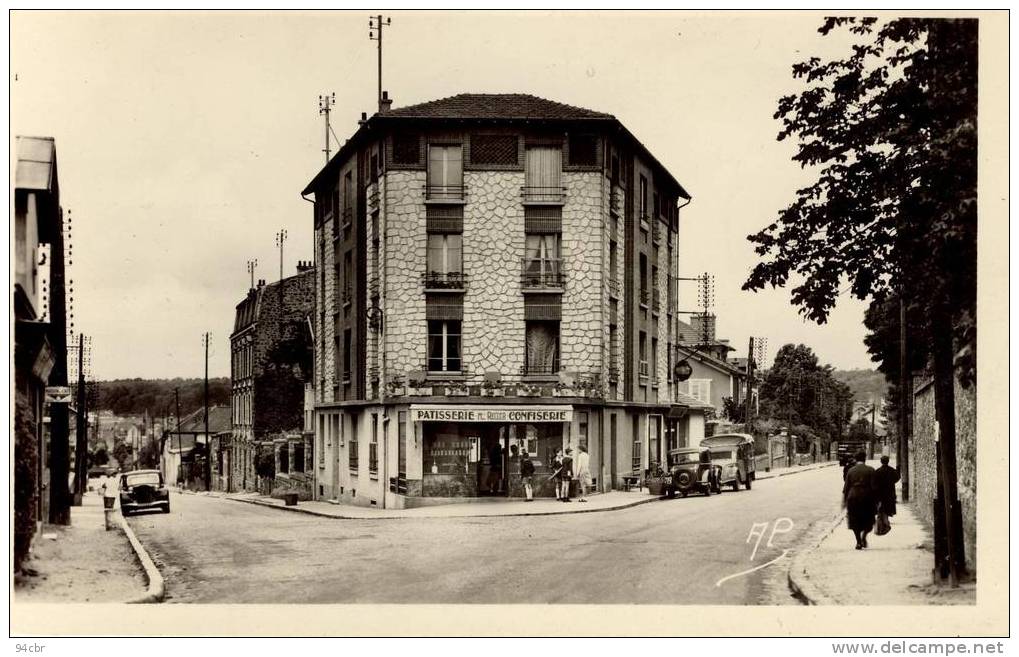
(714, 376)
(184, 464)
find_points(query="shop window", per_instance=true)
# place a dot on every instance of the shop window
(447, 451)
(373, 447)
(352, 449)
(401, 452)
(444, 346)
(654, 444)
(541, 348)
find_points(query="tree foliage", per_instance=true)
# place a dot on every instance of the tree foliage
(804, 395)
(126, 397)
(891, 131)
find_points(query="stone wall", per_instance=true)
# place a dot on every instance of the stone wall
(403, 254)
(584, 217)
(923, 465)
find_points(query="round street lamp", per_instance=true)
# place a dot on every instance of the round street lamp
(682, 370)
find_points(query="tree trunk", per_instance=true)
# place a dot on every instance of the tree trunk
(944, 406)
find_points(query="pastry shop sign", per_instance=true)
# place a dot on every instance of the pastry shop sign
(509, 414)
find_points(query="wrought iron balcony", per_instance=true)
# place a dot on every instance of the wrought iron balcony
(542, 273)
(373, 195)
(346, 295)
(540, 369)
(613, 285)
(450, 193)
(444, 280)
(642, 295)
(347, 217)
(550, 195)
(643, 369)
(655, 303)
(615, 200)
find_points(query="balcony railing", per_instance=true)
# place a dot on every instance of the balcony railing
(643, 369)
(347, 217)
(613, 370)
(346, 295)
(655, 303)
(613, 285)
(540, 369)
(540, 273)
(643, 297)
(451, 193)
(345, 376)
(553, 195)
(615, 201)
(373, 195)
(444, 280)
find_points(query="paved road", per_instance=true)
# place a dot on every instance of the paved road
(671, 552)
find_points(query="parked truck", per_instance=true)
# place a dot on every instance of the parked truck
(847, 450)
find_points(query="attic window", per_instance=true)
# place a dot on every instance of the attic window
(584, 150)
(406, 149)
(494, 149)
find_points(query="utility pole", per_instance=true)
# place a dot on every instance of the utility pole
(81, 428)
(375, 25)
(208, 438)
(281, 237)
(180, 452)
(59, 456)
(750, 381)
(325, 104)
(252, 266)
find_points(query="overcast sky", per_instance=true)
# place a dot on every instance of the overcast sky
(183, 141)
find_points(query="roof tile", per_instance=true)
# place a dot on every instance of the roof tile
(495, 106)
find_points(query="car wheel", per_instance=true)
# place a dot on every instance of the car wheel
(683, 493)
(707, 491)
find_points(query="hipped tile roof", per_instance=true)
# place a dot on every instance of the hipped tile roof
(495, 106)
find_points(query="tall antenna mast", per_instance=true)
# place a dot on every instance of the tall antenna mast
(252, 266)
(325, 104)
(281, 237)
(375, 25)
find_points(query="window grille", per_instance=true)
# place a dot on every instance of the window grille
(494, 149)
(406, 149)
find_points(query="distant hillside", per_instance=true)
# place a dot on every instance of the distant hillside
(865, 384)
(135, 396)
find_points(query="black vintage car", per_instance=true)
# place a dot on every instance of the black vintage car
(691, 471)
(141, 490)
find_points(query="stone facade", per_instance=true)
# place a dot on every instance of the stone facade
(584, 216)
(923, 464)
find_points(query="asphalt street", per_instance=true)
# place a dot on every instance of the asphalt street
(682, 551)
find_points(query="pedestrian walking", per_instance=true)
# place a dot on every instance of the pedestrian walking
(566, 476)
(557, 472)
(850, 462)
(885, 479)
(859, 499)
(583, 472)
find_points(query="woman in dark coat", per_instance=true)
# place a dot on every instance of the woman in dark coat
(859, 496)
(885, 479)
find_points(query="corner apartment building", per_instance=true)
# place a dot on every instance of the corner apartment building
(270, 369)
(495, 271)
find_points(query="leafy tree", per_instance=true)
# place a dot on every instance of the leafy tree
(733, 411)
(860, 430)
(892, 131)
(100, 456)
(148, 455)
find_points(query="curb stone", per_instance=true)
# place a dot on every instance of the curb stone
(799, 581)
(297, 509)
(157, 587)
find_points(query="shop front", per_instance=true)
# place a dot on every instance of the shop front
(475, 451)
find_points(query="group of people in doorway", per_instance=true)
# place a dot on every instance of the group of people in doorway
(868, 496)
(564, 469)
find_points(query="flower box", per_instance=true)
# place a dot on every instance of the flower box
(457, 392)
(493, 392)
(421, 392)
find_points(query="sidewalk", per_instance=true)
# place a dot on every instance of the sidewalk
(482, 507)
(894, 570)
(82, 562)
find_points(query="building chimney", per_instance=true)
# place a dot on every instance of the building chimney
(385, 103)
(364, 118)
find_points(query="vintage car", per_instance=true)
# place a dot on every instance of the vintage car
(691, 471)
(734, 454)
(141, 490)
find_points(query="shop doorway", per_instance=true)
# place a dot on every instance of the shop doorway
(492, 473)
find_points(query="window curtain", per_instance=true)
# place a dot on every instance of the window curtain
(445, 253)
(544, 166)
(542, 346)
(445, 166)
(542, 253)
